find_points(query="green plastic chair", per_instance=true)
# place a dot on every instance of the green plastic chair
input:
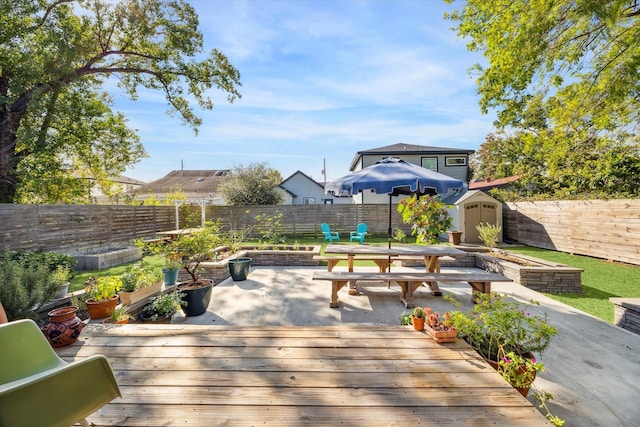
(361, 231)
(38, 388)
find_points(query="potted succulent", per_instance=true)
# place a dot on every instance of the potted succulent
(439, 328)
(102, 295)
(504, 331)
(119, 316)
(162, 307)
(139, 283)
(417, 318)
(60, 277)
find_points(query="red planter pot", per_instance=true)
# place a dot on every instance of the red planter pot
(101, 309)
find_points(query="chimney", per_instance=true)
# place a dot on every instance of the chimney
(487, 179)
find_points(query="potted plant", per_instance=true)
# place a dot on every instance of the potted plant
(119, 316)
(169, 251)
(60, 277)
(195, 248)
(417, 318)
(499, 329)
(162, 307)
(439, 328)
(239, 267)
(139, 283)
(102, 295)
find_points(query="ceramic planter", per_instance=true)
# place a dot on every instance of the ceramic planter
(64, 326)
(128, 298)
(196, 299)
(239, 268)
(62, 291)
(170, 276)
(442, 336)
(101, 309)
(146, 318)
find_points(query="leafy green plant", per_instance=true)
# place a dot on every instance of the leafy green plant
(519, 371)
(103, 288)
(405, 318)
(271, 228)
(60, 275)
(40, 257)
(24, 286)
(196, 247)
(168, 250)
(497, 326)
(165, 305)
(399, 235)
(489, 233)
(428, 217)
(139, 277)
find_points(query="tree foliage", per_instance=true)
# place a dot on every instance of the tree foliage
(55, 124)
(563, 76)
(255, 184)
(578, 60)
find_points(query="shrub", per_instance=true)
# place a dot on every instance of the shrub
(24, 286)
(428, 217)
(488, 233)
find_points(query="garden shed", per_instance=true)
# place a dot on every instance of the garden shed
(469, 209)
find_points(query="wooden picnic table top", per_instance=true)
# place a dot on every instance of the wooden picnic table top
(430, 250)
(350, 375)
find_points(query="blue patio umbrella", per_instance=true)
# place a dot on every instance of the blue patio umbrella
(393, 176)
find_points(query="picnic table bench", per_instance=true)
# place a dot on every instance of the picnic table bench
(408, 281)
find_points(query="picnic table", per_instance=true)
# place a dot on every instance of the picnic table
(408, 282)
(174, 234)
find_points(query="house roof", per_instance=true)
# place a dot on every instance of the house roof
(298, 172)
(401, 148)
(488, 183)
(189, 181)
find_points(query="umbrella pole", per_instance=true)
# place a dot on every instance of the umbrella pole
(389, 235)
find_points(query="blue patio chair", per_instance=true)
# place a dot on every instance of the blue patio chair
(359, 234)
(38, 388)
(328, 234)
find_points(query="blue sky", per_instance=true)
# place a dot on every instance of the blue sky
(321, 79)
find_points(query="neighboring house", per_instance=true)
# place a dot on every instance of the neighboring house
(200, 186)
(488, 183)
(453, 162)
(301, 189)
(120, 185)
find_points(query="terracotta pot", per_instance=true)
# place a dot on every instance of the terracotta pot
(64, 326)
(101, 309)
(418, 323)
(442, 336)
(121, 321)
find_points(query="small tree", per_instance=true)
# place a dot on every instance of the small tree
(255, 184)
(428, 217)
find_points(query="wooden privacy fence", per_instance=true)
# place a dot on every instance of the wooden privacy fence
(608, 229)
(81, 228)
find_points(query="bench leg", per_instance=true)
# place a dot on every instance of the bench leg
(435, 289)
(336, 285)
(482, 287)
(408, 289)
(331, 263)
(383, 265)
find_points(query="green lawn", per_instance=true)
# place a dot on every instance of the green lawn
(600, 280)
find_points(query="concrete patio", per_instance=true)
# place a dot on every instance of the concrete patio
(592, 367)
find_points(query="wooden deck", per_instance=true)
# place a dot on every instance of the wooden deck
(175, 375)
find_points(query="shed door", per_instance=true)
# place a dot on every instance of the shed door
(474, 214)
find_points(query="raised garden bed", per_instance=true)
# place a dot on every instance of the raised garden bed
(533, 273)
(101, 259)
(218, 270)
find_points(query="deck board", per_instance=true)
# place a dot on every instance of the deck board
(297, 376)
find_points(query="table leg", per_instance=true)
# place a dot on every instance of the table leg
(432, 263)
(482, 287)
(352, 284)
(336, 285)
(382, 264)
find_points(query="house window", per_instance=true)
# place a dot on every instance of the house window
(455, 161)
(328, 201)
(309, 201)
(430, 163)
